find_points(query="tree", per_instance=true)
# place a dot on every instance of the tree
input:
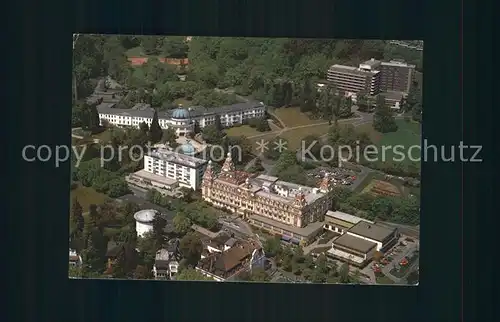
(129, 210)
(118, 187)
(383, 119)
(150, 44)
(329, 103)
(125, 262)
(174, 47)
(191, 247)
(344, 273)
(298, 256)
(93, 254)
(90, 116)
(144, 127)
(155, 131)
(77, 216)
(182, 224)
(141, 272)
(191, 274)
(416, 113)
(259, 275)
(285, 161)
(272, 246)
(159, 224)
(212, 135)
(170, 137)
(307, 97)
(93, 215)
(262, 125)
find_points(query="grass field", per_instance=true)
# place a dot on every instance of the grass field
(407, 135)
(292, 116)
(245, 130)
(87, 196)
(103, 136)
(135, 52)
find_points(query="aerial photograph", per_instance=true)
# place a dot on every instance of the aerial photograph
(233, 159)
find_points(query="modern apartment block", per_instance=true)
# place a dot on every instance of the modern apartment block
(165, 169)
(373, 77)
(353, 80)
(396, 76)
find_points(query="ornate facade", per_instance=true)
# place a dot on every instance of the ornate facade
(278, 203)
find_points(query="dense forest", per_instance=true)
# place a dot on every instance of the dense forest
(260, 67)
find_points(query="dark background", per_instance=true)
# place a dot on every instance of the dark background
(456, 198)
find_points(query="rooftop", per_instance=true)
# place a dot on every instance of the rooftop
(271, 187)
(372, 231)
(351, 70)
(397, 63)
(344, 217)
(306, 231)
(145, 216)
(193, 112)
(143, 174)
(354, 243)
(178, 158)
(221, 264)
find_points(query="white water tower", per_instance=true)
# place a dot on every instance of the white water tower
(144, 221)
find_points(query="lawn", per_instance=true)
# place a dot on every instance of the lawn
(407, 135)
(292, 116)
(245, 130)
(294, 137)
(87, 196)
(135, 52)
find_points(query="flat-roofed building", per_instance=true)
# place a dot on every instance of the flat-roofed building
(396, 76)
(267, 202)
(354, 250)
(382, 236)
(354, 80)
(165, 170)
(340, 222)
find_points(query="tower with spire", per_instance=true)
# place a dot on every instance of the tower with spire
(228, 165)
(208, 176)
(325, 185)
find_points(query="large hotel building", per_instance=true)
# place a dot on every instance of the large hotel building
(277, 206)
(181, 119)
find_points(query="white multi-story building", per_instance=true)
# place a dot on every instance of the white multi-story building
(165, 169)
(181, 119)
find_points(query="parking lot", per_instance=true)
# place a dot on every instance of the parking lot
(338, 176)
(397, 262)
